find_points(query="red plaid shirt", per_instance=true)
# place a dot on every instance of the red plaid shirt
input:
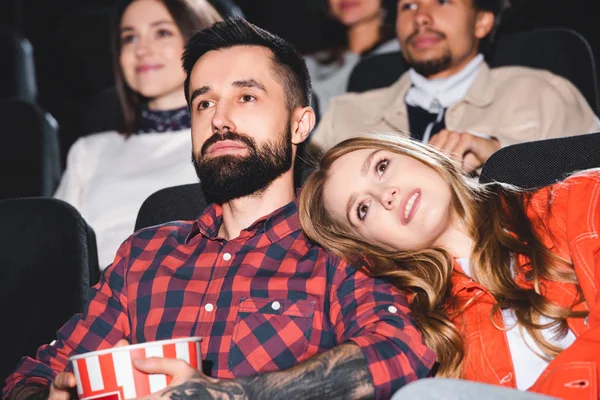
(263, 301)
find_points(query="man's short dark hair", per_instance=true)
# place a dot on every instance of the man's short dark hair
(288, 65)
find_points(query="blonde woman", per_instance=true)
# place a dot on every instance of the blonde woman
(502, 282)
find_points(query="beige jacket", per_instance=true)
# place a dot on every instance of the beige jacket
(513, 104)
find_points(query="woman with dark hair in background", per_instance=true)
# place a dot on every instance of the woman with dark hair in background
(369, 29)
(109, 174)
(502, 282)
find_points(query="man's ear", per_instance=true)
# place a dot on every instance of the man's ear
(484, 24)
(303, 121)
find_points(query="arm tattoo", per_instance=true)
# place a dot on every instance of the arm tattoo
(340, 373)
(203, 389)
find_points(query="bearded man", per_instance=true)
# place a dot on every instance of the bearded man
(450, 98)
(280, 318)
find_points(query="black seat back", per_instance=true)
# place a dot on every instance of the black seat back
(184, 202)
(48, 262)
(30, 163)
(542, 162)
(561, 51)
(17, 69)
(376, 71)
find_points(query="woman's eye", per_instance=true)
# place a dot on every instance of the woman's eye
(164, 33)
(361, 211)
(127, 39)
(381, 167)
(247, 98)
(203, 105)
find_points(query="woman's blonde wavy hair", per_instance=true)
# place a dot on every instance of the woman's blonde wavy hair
(495, 216)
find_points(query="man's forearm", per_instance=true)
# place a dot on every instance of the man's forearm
(340, 373)
(29, 392)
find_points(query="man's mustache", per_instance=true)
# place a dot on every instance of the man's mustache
(417, 32)
(229, 135)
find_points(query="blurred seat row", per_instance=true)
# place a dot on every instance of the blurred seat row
(34, 156)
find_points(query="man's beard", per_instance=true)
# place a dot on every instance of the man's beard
(431, 67)
(228, 177)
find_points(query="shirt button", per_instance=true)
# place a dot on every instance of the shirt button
(276, 305)
(392, 309)
(226, 256)
(209, 307)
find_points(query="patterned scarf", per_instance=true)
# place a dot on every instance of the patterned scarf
(152, 121)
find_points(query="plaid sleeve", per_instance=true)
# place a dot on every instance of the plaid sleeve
(103, 322)
(375, 316)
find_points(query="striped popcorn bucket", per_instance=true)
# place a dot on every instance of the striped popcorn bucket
(109, 374)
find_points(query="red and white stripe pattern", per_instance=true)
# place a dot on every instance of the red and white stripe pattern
(110, 375)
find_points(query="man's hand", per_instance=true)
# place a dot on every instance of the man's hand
(64, 382)
(188, 382)
(61, 386)
(468, 150)
(339, 373)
